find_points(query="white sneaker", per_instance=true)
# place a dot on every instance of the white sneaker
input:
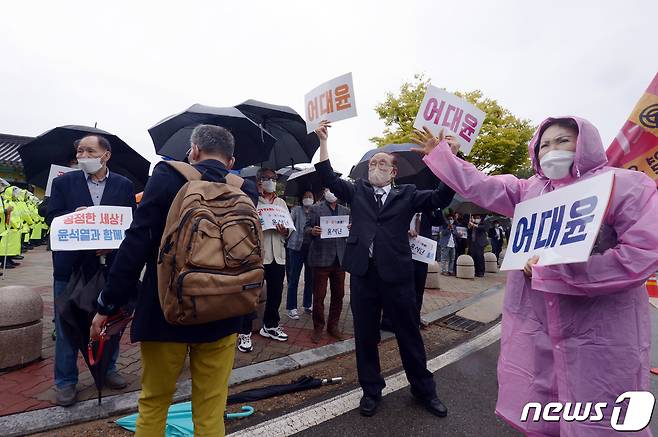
(293, 314)
(274, 333)
(244, 343)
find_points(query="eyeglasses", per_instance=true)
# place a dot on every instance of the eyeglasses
(379, 164)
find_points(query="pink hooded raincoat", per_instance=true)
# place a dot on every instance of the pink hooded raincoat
(573, 332)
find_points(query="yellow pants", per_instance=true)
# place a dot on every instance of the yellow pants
(210, 365)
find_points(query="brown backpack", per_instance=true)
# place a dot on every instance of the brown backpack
(210, 263)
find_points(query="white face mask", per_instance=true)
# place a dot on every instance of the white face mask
(451, 221)
(330, 197)
(379, 177)
(476, 221)
(556, 164)
(90, 165)
(307, 201)
(269, 186)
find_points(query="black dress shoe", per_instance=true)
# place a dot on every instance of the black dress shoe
(436, 407)
(368, 405)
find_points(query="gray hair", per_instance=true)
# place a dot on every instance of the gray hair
(213, 140)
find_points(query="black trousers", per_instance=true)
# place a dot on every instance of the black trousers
(477, 253)
(420, 277)
(274, 275)
(496, 247)
(369, 294)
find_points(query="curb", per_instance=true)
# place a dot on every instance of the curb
(58, 417)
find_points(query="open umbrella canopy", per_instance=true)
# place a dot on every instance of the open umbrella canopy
(171, 136)
(293, 145)
(463, 206)
(56, 147)
(303, 180)
(410, 163)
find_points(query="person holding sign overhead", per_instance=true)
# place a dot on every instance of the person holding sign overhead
(378, 257)
(571, 332)
(325, 256)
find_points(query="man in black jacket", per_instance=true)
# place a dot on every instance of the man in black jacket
(94, 185)
(478, 241)
(378, 257)
(164, 347)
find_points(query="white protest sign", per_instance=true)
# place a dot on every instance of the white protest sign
(561, 226)
(442, 110)
(423, 249)
(273, 215)
(331, 101)
(334, 226)
(461, 231)
(94, 228)
(56, 170)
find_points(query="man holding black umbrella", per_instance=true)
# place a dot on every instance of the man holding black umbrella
(94, 185)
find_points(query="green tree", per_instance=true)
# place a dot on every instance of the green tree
(501, 147)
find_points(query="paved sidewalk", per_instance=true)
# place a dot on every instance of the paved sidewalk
(31, 387)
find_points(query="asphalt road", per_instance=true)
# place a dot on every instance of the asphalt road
(468, 387)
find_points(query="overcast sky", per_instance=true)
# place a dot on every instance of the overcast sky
(126, 65)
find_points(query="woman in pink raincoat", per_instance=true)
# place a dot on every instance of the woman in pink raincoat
(571, 332)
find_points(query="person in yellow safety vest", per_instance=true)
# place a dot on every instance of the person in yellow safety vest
(10, 241)
(38, 221)
(26, 219)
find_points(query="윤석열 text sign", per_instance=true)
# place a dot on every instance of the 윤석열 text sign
(334, 226)
(94, 228)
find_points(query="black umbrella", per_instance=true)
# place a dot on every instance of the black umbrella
(463, 206)
(410, 163)
(303, 383)
(285, 172)
(56, 147)
(76, 308)
(303, 180)
(171, 136)
(293, 144)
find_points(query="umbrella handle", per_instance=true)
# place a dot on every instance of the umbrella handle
(93, 360)
(246, 412)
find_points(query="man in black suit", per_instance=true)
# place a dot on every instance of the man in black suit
(478, 241)
(94, 185)
(496, 235)
(378, 257)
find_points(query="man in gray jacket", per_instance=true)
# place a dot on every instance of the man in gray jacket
(325, 256)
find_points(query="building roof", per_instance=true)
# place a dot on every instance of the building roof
(9, 145)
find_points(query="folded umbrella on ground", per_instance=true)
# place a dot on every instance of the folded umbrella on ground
(293, 145)
(171, 136)
(56, 147)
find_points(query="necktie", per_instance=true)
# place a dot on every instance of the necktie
(379, 200)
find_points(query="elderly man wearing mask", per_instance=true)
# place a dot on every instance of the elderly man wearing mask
(571, 333)
(378, 258)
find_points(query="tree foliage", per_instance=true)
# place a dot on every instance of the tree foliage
(501, 147)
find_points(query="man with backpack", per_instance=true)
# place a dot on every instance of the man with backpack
(192, 322)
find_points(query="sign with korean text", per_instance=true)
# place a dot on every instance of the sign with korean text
(96, 227)
(423, 249)
(56, 170)
(331, 101)
(461, 231)
(272, 215)
(457, 117)
(561, 226)
(334, 226)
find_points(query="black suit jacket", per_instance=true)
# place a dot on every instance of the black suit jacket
(480, 239)
(386, 228)
(141, 247)
(69, 192)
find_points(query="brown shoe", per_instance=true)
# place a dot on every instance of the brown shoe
(316, 336)
(335, 334)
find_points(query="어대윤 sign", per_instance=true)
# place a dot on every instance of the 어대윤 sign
(272, 215)
(560, 227)
(334, 226)
(331, 101)
(423, 249)
(442, 110)
(94, 228)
